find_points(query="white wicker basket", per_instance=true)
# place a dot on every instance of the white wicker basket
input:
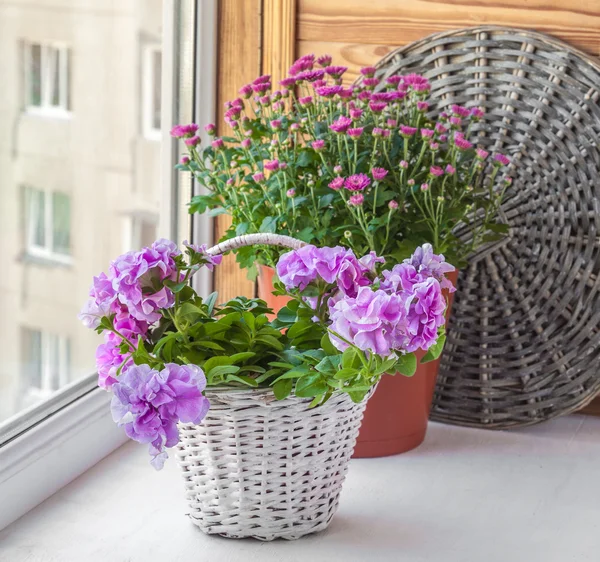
(262, 468)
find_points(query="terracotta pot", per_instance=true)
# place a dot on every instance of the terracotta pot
(265, 290)
(396, 416)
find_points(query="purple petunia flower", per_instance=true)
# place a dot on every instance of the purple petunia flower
(429, 264)
(379, 173)
(150, 403)
(357, 182)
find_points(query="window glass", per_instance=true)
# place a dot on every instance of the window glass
(66, 184)
(61, 223)
(156, 87)
(34, 58)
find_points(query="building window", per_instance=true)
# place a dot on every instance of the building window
(47, 78)
(48, 224)
(151, 91)
(140, 232)
(47, 362)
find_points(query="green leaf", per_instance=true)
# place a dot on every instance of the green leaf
(311, 385)
(435, 350)
(347, 373)
(270, 341)
(244, 379)
(282, 388)
(218, 361)
(208, 345)
(239, 357)
(220, 371)
(216, 212)
(210, 302)
(407, 364)
(269, 224)
(351, 359)
(327, 346)
(286, 315)
(189, 312)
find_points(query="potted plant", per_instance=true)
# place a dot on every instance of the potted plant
(263, 415)
(366, 167)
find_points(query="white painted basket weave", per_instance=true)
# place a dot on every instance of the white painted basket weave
(262, 468)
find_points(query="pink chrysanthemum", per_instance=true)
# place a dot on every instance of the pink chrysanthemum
(427, 133)
(272, 165)
(371, 82)
(377, 106)
(460, 111)
(324, 60)
(356, 200)
(258, 177)
(336, 71)
(422, 106)
(481, 154)
(310, 75)
(341, 125)
(450, 169)
(357, 182)
(318, 144)
(462, 143)
(501, 160)
(477, 113)
(184, 131)
(392, 205)
(306, 100)
(407, 131)
(337, 183)
(368, 71)
(328, 91)
(436, 171)
(356, 132)
(217, 144)
(246, 91)
(356, 113)
(379, 173)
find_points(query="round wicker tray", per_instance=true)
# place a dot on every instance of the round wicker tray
(524, 342)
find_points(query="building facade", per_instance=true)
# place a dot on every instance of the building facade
(79, 174)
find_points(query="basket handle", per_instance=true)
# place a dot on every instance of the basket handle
(266, 238)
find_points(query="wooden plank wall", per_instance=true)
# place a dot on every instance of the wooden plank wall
(358, 32)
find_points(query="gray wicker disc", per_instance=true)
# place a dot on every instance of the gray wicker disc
(524, 342)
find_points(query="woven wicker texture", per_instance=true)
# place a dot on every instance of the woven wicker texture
(262, 468)
(524, 336)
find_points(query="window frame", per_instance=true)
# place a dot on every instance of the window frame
(47, 251)
(149, 50)
(48, 445)
(46, 108)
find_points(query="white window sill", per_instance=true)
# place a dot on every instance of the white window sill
(464, 496)
(49, 112)
(49, 259)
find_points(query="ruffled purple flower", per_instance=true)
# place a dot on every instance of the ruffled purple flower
(298, 268)
(150, 403)
(372, 321)
(429, 264)
(200, 255)
(135, 274)
(425, 314)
